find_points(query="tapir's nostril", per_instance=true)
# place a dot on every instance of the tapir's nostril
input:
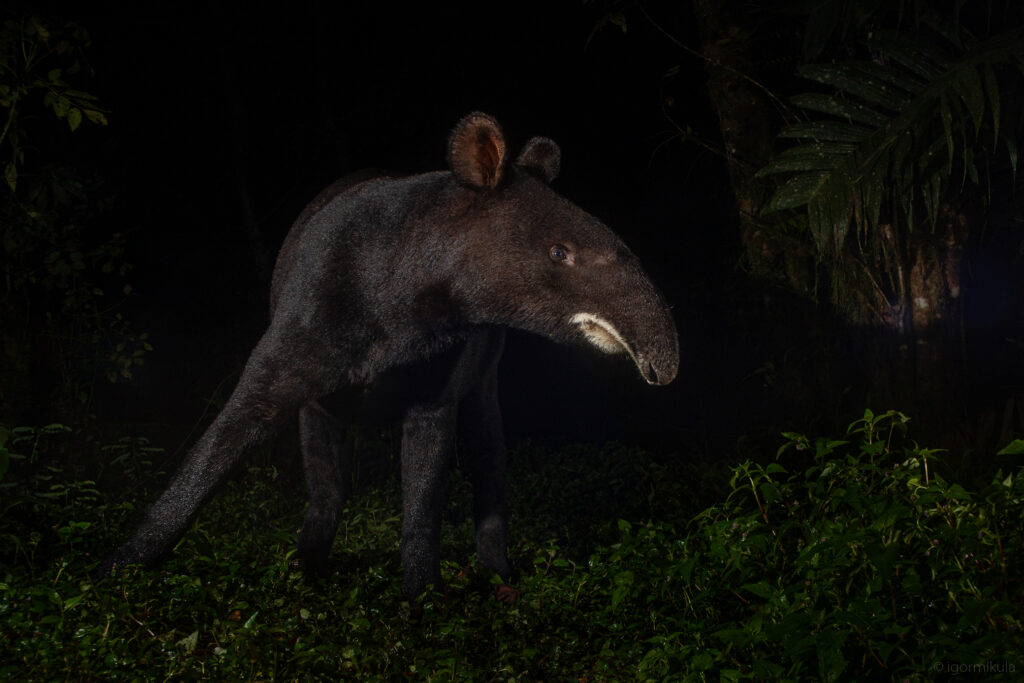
(658, 374)
(651, 375)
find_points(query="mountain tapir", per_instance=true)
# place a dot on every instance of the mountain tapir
(421, 273)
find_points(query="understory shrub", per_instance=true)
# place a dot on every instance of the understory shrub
(845, 559)
(837, 559)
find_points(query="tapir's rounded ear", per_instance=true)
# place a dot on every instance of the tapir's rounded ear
(543, 157)
(476, 151)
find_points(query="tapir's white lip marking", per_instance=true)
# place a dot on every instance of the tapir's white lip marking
(604, 336)
(601, 333)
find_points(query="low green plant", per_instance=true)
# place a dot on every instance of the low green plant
(838, 559)
(863, 565)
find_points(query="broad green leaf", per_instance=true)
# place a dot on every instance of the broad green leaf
(848, 79)
(189, 642)
(75, 118)
(809, 157)
(992, 89)
(829, 645)
(760, 589)
(919, 57)
(967, 85)
(829, 213)
(899, 78)
(11, 176)
(847, 109)
(702, 661)
(947, 124)
(933, 159)
(1015, 447)
(61, 105)
(74, 600)
(826, 131)
(95, 116)
(902, 164)
(798, 191)
(971, 168)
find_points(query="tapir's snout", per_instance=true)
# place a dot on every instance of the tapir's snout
(650, 340)
(660, 371)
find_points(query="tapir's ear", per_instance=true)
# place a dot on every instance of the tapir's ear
(542, 156)
(476, 151)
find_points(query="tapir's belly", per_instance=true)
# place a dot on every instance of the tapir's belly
(394, 391)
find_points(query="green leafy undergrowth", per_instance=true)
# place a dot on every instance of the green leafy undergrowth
(841, 559)
(846, 559)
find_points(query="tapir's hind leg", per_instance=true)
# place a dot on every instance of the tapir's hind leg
(270, 391)
(322, 463)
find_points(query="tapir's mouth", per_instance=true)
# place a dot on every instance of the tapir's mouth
(601, 333)
(608, 339)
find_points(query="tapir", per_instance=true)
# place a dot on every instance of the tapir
(420, 272)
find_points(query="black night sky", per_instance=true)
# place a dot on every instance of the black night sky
(227, 118)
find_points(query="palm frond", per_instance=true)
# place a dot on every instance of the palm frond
(895, 133)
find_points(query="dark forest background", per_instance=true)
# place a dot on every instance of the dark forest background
(826, 191)
(139, 233)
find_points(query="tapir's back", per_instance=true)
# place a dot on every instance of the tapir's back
(350, 210)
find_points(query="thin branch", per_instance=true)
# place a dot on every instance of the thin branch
(713, 62)
(701, 142)
(10, 120)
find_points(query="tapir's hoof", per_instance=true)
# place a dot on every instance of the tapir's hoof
(108, 568)
(507, 594)
(313, 565)
(102, 573)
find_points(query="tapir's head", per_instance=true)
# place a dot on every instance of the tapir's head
(535, 261)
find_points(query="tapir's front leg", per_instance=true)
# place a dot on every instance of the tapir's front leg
(428, 441)
(482, 434)
(270, 391)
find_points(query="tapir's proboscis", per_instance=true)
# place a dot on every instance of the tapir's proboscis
(399, 272)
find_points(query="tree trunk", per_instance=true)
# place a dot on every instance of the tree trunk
(749, 123)
(933, 341)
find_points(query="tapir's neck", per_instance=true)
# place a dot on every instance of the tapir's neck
(411, 276)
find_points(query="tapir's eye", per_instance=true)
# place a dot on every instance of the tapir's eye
(558, 253)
